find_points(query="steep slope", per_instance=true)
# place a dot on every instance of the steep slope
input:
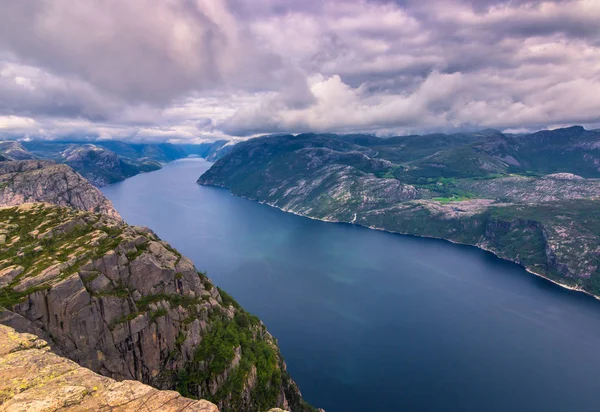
(158, 152)
(573, 150)
(97, 163)
(102, 167)
(485, 189)
(43, 181)
(118, 300)
(32, 378)
(106, 162)
(13, 150)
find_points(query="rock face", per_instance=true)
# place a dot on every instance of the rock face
(101, 166)
(32, 378)
(533, 199)
(116, 299)
(44, 181)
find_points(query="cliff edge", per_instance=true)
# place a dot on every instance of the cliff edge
(32, 378)
(118, 300)
(28, 181)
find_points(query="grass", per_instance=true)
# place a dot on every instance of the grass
(9, 297)
(227, 299)
(446, 200)
(131, 256)
(160, 312)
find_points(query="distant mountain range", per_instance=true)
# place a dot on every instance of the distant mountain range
(531, 198)
(108, 162)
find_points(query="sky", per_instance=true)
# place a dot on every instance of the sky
(189, 70)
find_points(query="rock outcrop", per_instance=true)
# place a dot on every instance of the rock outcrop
(116, 299)
(29, 181)
(33, 378)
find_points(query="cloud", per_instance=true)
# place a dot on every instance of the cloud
(138, 50)
(187, 69)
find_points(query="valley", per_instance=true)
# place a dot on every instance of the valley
(109, 161)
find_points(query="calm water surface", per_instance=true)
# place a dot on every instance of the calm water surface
(370, 321)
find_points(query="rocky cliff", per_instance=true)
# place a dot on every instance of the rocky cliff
(33, 378)
(116, 299)
(517, 196)
(44, 181)
(102, 167)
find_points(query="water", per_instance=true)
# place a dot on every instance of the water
(371, 321)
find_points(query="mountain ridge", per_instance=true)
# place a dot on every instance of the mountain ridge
(109, 161)
(532, 199)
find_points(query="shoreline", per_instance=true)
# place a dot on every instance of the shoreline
(542, 276)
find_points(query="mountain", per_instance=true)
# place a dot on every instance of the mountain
(159, 152)
(106, 162)
(533, 198)
(97, 163)
(13, 150)
(29, 181)
(32, 377)
(121, 302)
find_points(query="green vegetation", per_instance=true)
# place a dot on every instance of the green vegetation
(205, 281)
(174, 300)
(111, 242)
(245, 335)
(124, 318)
(10, 297)
(42, 237)
(160, 312)
(143, 305)
(219, 347)
(227, 300)
(173, 251)
(119, 291)
(410, 184)
(131, 256)
(453, 198)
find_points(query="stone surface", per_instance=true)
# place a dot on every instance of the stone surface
(43, 181)
(32, 378)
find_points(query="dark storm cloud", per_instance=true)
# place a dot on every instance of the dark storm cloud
(178, 69)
